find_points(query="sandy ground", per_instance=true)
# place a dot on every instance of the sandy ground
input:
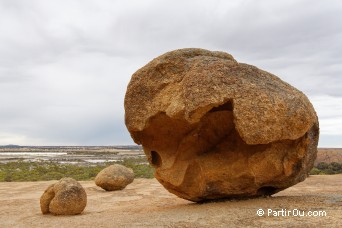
(145, 203)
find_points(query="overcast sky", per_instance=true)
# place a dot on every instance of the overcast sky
(65, 64)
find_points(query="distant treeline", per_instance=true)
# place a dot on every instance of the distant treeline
(73, 147)
(9, 146)
(323, 168)
(18, 148)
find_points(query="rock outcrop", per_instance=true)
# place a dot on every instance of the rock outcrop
(114, 177)
(215, 128)
(66, 197)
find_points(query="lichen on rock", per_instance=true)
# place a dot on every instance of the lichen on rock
(215, 128)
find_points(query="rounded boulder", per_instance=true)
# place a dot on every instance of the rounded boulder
(66, 197)
(216, 128)
(114, 177)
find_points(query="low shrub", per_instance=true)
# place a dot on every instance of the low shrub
(323, 168)
(44, 171)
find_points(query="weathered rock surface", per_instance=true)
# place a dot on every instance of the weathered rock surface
(215, 128)
(66, 197)
(114, 177)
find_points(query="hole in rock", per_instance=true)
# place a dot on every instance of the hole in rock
(155, 159)
(267, 190)
(228, 106)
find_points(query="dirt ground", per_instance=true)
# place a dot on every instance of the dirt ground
(145, 203)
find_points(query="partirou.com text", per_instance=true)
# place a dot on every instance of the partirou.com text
(290, 212)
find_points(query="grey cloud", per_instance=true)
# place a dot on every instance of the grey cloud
(65, 65)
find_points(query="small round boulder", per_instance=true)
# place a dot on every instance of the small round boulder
(216, 128)
(114, 177)
(66, 197)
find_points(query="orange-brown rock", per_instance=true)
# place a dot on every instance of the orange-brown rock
(66, 197)
(114, 177)
(215, 128)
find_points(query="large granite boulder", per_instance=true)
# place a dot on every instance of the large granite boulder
(114, 177)
(215, 128)
(66, 197)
